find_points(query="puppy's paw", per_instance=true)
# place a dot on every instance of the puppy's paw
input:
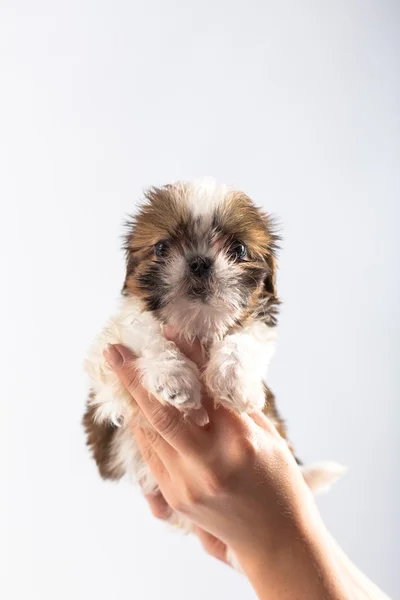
(230, 380)
(172, 379)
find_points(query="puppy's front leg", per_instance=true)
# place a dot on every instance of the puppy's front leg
(169, 376)
(237, 365)
(165, 372)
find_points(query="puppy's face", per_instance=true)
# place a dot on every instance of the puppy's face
(201, 256)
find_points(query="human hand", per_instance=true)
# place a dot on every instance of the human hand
(212, 545)
(224, 475)
(235, 479)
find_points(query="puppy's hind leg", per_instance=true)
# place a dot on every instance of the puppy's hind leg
(100, 437)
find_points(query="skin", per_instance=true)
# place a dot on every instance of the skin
(239, 484)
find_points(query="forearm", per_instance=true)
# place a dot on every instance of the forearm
(304, 566)
(361, 587)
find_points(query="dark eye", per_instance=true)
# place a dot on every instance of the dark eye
(237, 250)
(160, 249)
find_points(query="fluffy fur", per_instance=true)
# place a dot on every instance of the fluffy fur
(201, 257)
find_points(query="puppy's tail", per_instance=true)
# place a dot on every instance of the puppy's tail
(321, 476)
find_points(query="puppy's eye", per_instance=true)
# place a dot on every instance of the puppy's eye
(237, 250)
(160, 249)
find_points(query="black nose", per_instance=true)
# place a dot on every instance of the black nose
(200, 265)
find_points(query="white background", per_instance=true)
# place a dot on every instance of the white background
(298, 104)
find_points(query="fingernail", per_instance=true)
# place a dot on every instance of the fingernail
(200, 417)
(113, 356)
(169, 332)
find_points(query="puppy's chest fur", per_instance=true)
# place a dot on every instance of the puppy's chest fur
(233, 376)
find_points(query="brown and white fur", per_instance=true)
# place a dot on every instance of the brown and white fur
(201, 257)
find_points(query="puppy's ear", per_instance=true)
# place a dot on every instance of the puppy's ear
(271, 248)
(268, 301)
(132, 261)
(270, 279)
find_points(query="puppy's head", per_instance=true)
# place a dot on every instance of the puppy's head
(202, 257)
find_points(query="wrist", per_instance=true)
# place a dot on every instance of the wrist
(272, 534)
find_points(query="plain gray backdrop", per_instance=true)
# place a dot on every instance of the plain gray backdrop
(298, 104)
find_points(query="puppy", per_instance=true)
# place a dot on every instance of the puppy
(201, 257)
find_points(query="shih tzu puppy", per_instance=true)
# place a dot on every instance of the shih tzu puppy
(200, 257)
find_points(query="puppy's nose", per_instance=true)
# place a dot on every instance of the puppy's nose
(200, 265)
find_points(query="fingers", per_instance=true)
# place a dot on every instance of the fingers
(193, 350)
(159, 506)
(150, 455)
(166, 420)
(211, 544)
(161, 457)
(262, 421)
(227, 423)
